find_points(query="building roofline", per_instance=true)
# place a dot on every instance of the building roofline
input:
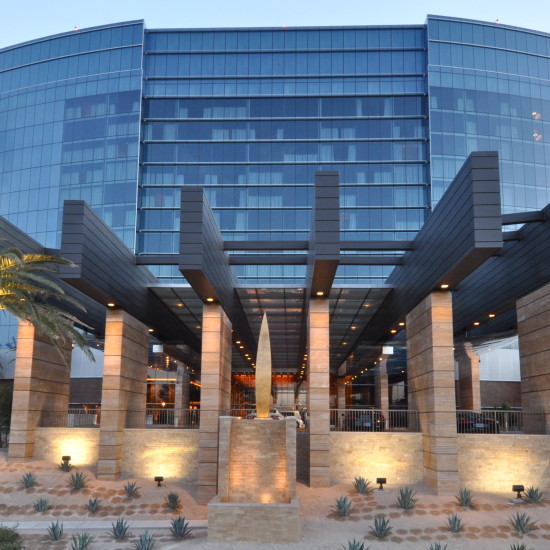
(70, 33)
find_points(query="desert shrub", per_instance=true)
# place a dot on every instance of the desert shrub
(522, 523)
(41, 505)
(132, 490)
(405, 498)
(146, 541)
(533, 495)
(362, 485)
(93, 505)
(342, 507)
(355, 545)
(173, 501)
(55, 530)
(438, 546)
(77, 481)
(520, 546)
(10, 539)
(454, 522)
(81, 541)
(381, 528)
(119, 529)
(465, 499)
(28, 480)
(179, 527)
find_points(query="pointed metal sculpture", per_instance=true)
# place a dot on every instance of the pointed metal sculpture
(263, 372)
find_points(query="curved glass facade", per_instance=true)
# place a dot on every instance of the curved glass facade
(123, 117)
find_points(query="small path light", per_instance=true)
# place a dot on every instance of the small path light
(518, 489)
(159, 479)
(381, 481)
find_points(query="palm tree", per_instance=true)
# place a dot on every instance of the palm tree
(29, 293)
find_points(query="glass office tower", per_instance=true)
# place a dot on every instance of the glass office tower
(123, 117)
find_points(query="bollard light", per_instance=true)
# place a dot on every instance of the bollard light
(381, 481)
(518, 489)
(158, 479)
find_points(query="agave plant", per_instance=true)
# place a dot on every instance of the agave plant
(94, 505)
(77, 481)
(342, 507)
(41, 505)
(355, 545)
(362, 485)
(405, 498)
(119, 529)
(28, 480)
(146, 541)
(173, 501)
(132, 489)
(381, 528)
(81, 541)
(65, 466)
(464, 499)
(179, 527)
(533, 495)
(519, 546)
(438, 546)
(454, 522)
(55, 530)
(522, 523)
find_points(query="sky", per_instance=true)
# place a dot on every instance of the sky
(23, 20)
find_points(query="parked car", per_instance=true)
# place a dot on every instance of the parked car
(274, 414)
(472, 422)
(362, 420)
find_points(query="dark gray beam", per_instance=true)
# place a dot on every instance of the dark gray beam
(376, 245)
(463, 231)
(204, 263)
(523, 217)
(521, 267)
(324, 252)
(11, 236)
(301, 259)
(106, 272)
(265, 245)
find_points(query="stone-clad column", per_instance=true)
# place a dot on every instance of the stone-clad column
(124, 385)
(533, 315)
(382, 398)
(468, 377)
(181, 397)
(430, 368)
(319, 393)
(41, 383)
(215, 394)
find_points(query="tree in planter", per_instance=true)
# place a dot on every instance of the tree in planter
(30, 293)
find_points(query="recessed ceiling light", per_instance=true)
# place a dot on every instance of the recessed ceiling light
(491, 314)
(151, 330)
(320, 293)
(401, 324)
(209, 299)
(393, 331)
(444, 285)
(111, 304)
(476, 323)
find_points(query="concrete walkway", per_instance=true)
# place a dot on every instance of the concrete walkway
(89, 525)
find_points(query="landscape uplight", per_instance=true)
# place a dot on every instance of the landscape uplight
(381, 481)
(159, 479)
(518, 489)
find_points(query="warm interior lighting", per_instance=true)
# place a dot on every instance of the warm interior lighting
(111, 304)
(381, 481)
(151, 330)
(209, 299)
(320, 293)
(159, 480)
(444, 285)
(180, 305)
(241, 347)
(353, 327)
(238, 342)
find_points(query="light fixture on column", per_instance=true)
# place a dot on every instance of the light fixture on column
(444, 286)
(159, 480)
(111, 304)
(210, 300)
(381, 481)
(518, 489)
(319, 293)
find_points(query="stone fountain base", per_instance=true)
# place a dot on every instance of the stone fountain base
(253, 522)
(256, 499)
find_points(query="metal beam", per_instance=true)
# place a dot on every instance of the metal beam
(463, 231)
(106, 272)
(523, 217)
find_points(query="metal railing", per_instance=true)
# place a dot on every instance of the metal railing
(70, 418)
(373, 420)
(500, 421)
(162, 418)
